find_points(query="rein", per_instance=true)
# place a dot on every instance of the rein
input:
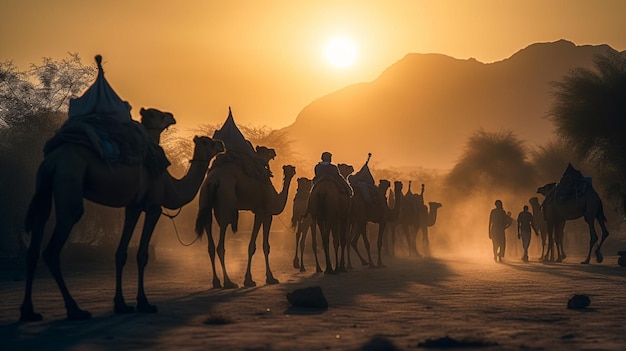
(176, 229)
(178, 212)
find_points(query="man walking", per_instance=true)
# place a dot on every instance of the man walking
(498, 222)
(524, 224)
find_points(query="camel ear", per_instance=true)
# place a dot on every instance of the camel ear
(196, 138)
(142, 111)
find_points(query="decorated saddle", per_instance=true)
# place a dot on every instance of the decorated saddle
(100, 121)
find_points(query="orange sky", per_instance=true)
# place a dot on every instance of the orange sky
(265, 58)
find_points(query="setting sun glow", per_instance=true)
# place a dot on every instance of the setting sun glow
(340, 52)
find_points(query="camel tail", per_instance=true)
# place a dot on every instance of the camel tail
(205, 212)
(203, 220)
(41, 204)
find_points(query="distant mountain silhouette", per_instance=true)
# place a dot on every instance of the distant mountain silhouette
(421, 110)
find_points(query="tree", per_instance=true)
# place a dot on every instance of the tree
(491, 162)
(589, 113)
(33, 104)
(551, 160)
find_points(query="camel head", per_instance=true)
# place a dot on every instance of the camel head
(304, 184)
(434, 205)
(408, 191)
(397, 186)
(534, 201)
(206, 148)
(289, 171)
(345, 169)
(265, 153)
(546, 189)
(154, 119)
(383, 185)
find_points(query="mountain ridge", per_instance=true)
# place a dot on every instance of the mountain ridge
(420, 110)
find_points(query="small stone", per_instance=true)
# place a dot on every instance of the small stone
(311, 297)
(379, 343)
(577, 302)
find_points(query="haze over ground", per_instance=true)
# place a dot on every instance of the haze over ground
(266, 58)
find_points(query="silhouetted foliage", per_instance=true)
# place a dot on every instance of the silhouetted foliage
(33, 104)
(551, 160)
(491, 162)
(589, 113)
(178, 147)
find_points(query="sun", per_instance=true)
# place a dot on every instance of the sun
(340, 52)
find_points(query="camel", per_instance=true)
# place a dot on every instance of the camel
(408, 220)
(558, 210)
(303, 222)
(361, 213)
(427, 218)
(229, 189)
(541, 226)
(344, 170)
(328, 206)
(71, 173)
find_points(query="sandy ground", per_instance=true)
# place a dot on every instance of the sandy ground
(511, 306)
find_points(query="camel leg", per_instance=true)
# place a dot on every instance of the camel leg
(301, 234)
(152, 216)
(405, 234)
(221, 253)
(366, 242)
(425, 241)
(325, 231)
(392, 241)
(543, 245)
(381, 235)
(559, 233)
(411, 240)
(361, 229)
(593, 238)
(339, 264)
(208, 228)
(27, 312)
(252, 249)
(550, 251)
(296, 260)
(318, 268)
(349, 234)
(605, 234)
(131, 215)
(68, 214)
(343, 242)
(269, 277)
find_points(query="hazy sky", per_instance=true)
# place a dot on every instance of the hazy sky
(266, 58)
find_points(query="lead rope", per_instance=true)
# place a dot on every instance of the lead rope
(283, 223)
(176, 229)
(174, 223)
